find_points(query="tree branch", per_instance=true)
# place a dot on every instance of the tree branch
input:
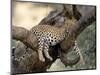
(87, 19)
(24, 36)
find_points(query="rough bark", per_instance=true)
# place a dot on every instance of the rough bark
(24, 36)
(87, 19)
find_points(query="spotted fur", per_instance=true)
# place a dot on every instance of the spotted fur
(48, 36)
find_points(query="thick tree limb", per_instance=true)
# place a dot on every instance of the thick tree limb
(88, 18)
(24, 36)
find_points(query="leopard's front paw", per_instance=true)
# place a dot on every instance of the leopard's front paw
(42, 59)
(50, 58)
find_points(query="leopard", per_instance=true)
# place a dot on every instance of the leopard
(48, 36)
